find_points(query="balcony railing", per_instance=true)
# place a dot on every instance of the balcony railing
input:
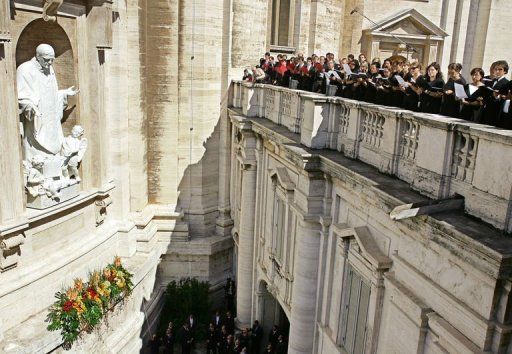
(436, 155)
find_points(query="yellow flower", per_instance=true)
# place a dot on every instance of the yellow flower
(121, 283)
(79, 306)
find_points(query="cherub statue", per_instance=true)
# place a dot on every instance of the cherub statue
(73, 150)
(36, 183)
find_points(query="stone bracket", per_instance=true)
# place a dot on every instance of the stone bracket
(426, 208)
(11, 238)
(101, 205)
(50, 9)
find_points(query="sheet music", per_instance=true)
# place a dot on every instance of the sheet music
(401, 81)
(347, 69)
(459, 91)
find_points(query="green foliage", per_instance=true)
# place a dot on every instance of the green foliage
(188, 296)
(81, 307)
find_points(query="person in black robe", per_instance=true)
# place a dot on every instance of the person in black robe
(371, 89)
(472, 110)
(383, 85)
(360, 84)
(433, 90)
(493, 105)
(413, 91)
(450, 105)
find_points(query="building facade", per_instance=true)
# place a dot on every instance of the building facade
(161, 187)
(368, 229)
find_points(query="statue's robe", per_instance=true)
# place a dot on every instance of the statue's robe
(42, 133)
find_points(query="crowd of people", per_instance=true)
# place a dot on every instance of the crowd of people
(221, 338)
(396, 82)
(221, 335)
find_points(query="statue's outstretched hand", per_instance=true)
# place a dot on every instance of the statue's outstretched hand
(72, 91)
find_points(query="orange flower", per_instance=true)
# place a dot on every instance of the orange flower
(79, 284)
(117, 261)
(72, 294)
(106, 273)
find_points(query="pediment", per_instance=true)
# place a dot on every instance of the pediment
(407, 22)
(281, 176)
(366, 243)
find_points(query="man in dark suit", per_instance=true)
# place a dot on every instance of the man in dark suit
(229, 322)
(282, 346)
(273, 336)
(256, 336)
(493, 105)
(217, 320)
(186, 339)
(212, 339)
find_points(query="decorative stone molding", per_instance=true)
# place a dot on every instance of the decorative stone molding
(50, 9)
(101, 208)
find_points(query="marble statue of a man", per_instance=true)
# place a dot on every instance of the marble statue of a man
(41, 104)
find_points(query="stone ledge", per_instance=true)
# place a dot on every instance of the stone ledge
(479, 243)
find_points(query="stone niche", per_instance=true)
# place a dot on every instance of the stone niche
(29, 30)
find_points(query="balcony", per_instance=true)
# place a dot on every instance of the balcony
(438, 156)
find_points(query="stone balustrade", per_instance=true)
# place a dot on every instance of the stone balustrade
(438, 156)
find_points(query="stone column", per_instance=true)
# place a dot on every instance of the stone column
(246, 246)
(12, 221)
(302, 322)
(248, 32)
(11, 183)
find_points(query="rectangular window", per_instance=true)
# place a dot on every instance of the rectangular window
(356, 298)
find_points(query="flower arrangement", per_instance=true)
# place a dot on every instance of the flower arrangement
(81, 307)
